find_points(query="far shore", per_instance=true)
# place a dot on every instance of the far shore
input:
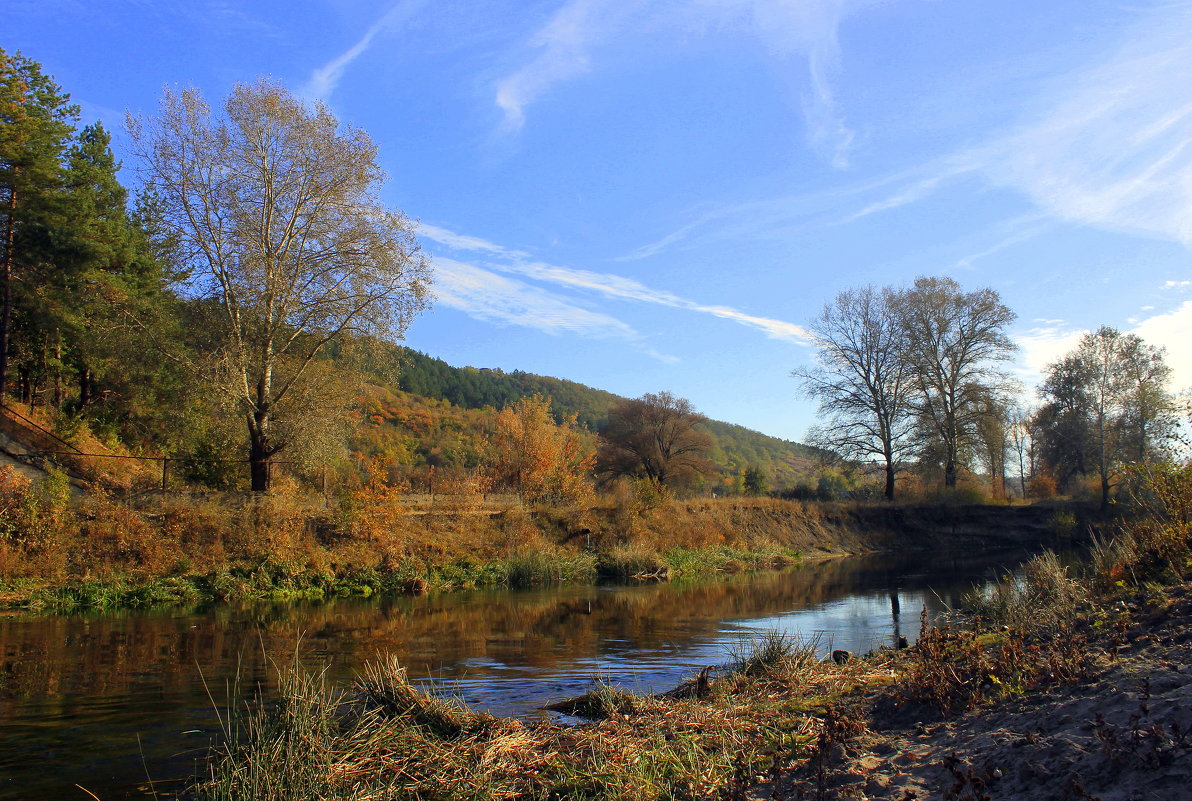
(100, 553)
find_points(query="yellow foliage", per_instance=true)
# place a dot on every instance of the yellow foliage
(545, 461)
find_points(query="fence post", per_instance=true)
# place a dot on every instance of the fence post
(324, 486)
(165, 473)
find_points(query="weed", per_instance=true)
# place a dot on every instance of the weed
(1149, 744)
(770, 651)
(967, 784)
(957, 667)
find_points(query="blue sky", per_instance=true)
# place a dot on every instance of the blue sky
(657, 195)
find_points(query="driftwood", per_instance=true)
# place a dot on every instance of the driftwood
(591, 705)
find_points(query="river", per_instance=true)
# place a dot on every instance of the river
(110, 701)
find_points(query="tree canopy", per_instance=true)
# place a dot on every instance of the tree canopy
(863, 380)
(273, 207)
(1105, 405)
(657, 437)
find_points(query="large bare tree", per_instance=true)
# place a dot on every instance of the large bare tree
(954, 343)
(274, 205)
(862, 380)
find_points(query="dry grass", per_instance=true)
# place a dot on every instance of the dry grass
(388, 739)
(229, 546)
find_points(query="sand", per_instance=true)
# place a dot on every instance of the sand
(1124, 735)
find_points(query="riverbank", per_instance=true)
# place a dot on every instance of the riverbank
(971, 712)
(69, 553)
(1122, 731)
(1058, 684)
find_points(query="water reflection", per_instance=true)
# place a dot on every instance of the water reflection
(77, 692)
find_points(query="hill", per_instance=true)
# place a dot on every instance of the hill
(735, 449)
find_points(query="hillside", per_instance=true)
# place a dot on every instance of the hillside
(420, 376)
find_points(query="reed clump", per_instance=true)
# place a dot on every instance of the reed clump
(387, 738)
(1045, 594)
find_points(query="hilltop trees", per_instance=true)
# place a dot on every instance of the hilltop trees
(273, 208)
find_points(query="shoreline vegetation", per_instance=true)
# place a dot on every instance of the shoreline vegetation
(1062, 683)
(64, 553)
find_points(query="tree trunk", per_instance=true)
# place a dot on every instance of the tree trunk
(58, 397)
(6, 291)
(259, 452)
(889, 481)
(84, 387)
(25, 385)
(950, 473)
(258, 465)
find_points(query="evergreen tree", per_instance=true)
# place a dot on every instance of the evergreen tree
(36, 123)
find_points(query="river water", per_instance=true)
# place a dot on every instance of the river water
(108, 701)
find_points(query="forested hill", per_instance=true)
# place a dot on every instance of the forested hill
(476, 388)
(736, 448)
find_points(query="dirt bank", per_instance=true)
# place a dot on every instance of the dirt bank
(961, 526)
(840, 528)
(1122, 734)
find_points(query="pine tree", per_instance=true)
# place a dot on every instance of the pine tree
(36, 123)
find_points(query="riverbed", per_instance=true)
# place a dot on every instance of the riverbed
(122, 704)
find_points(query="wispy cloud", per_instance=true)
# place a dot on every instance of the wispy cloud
(792, 213)
(485, 295)
(464, 242)
(1112, 144)
(808, 29)
(563, 49)
(324, 80)
(1020, 229)
(1107, 145)
(1176, 284)
(607, 285)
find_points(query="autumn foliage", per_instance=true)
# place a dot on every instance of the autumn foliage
(543, 461)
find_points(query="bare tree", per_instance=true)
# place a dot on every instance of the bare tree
(274, 206)
(862, 380)
(1022, 444)
(994, 437)
(954, 340)
(656, 436)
